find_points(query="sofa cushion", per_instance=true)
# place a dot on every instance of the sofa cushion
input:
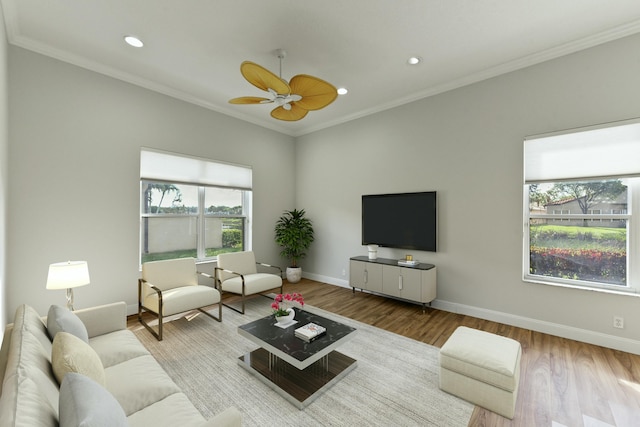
(117, 347)
(138, 383)
(84, 402)
(30, 391)
(61, 319)
(173, 410)
(71, 354)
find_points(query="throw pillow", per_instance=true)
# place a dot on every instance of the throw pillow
(61, 319)
(70, 354)
(84, 402)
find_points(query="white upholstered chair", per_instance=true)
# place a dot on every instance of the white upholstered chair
(171, 287)
(237, 272)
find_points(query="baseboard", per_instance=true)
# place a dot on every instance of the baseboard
(344, 283)
(564, 331)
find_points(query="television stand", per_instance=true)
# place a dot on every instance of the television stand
(384, 276)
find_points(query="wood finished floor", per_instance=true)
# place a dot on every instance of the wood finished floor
(563, 382)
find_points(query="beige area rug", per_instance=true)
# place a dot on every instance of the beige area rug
(394, 384)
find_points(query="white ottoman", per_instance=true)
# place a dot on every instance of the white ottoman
(482, 368)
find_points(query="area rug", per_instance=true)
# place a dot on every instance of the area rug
(394, 384)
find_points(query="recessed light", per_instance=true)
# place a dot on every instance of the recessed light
(133, 41)
(342, 91)
(414, 60)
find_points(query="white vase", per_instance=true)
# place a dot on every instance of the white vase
(294, 274)
(288, 318)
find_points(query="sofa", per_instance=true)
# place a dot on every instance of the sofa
(86, 368)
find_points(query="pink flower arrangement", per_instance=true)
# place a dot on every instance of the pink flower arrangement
(282, 302)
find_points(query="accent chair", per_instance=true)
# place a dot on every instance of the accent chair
(171, 287)
(237, 272)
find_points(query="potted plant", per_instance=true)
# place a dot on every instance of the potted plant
(282, 306)
(294, 233)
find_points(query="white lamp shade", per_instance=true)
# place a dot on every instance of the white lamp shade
(70, 274)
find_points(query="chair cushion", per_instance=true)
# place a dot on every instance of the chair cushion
(61, 319)
(70, 354)
(240, 262)
(179, 300)
(254, 283)
(84, 402)
(171, 273)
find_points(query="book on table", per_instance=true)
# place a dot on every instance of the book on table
(310, 332)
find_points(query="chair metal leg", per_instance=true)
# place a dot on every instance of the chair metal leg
(219, 318)
(158, 334)
(235, 309)
(243, 300)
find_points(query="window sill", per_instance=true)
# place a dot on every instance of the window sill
(626, 291)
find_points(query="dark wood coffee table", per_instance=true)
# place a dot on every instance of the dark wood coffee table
(299, 371)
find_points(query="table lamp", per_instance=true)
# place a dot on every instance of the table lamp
(68, 275)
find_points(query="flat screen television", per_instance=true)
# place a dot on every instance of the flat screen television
(400, 220)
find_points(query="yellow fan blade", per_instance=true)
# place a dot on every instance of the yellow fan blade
(315, 92)
(292, 115)
(249, 100)
(263, 79)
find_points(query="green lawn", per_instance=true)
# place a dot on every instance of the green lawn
(575, 237)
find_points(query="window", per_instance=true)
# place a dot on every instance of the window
(192, 217)
(579, 191)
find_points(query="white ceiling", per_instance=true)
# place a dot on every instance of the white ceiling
(193, 48)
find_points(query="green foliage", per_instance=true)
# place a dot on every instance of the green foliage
(232, 238)
(294, 233)
(595, 254)
(587, 193)
(578, 237)
(580, 264)
(164, 190)
(225, 210)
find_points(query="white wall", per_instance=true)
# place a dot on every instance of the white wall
(4, 175)
(74, 174)
(467, 145)
(73, 181)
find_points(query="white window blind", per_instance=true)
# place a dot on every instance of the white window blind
(606, 151)
(164, 166)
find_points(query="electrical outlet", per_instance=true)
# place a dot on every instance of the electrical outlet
(618, 322)
(344, 272)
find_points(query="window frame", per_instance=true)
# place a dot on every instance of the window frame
(200, 218)
(165, 167)
(632, 180)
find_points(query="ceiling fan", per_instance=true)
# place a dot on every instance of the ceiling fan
(293, 100)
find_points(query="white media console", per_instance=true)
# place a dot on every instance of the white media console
(385, 276)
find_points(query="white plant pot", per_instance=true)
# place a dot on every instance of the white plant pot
(294, 274)
(288, 318)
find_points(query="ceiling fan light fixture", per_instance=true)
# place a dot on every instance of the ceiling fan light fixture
(133, 41)
(414, 60)
(293, 100)
(342, 91)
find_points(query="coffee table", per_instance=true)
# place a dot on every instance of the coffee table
(297, 370)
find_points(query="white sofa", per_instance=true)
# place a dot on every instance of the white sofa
(30, 392)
